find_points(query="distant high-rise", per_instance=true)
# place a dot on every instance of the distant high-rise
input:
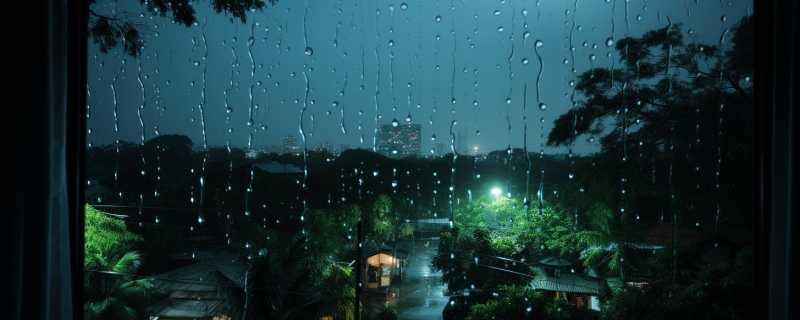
(440, 149)
(399, 140)
(324, 147)
(290, 145)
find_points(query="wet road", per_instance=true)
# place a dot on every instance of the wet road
(421, 292)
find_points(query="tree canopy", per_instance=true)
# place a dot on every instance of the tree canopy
(110, 30)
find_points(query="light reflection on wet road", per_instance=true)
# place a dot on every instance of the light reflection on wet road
(421, 292)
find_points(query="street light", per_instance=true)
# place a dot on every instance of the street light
(496, 192)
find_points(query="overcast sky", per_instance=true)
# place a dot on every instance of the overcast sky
(405, 49)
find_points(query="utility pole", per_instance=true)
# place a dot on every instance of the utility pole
(359, 263)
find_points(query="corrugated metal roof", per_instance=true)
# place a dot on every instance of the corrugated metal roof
(568, 282)
(193, 309)
(203, 289)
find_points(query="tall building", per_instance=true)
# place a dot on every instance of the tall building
(324, 147)
(290, 145)
(400, 140)
(440, 149)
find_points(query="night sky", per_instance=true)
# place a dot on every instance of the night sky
(353, 43)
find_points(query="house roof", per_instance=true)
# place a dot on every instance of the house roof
(568, 282)
(372, 248)
(202, 275)
(200, 290)
(555, 262)
(185, 308)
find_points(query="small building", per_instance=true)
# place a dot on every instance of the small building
(205, 290)
(383, 265)
(582, 291)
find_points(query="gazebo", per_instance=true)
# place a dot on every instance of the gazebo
(383, 263)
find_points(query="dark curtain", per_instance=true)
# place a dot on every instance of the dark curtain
(776, 85)
(43, 174)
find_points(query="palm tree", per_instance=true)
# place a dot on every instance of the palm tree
(111, 290)
(604, 241)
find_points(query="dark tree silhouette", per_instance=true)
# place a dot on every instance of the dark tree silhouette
(681, 110)
(109, 30)
(659, 86)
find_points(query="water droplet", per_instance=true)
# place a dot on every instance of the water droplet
(500, 29)
(539, 43)
(609, 42)
(438, 18)
(525, 61)
(395, 123)
(542, 106)
(403, 6)
(309, 51)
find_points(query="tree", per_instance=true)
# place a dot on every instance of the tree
(519, 302)
(603, 240)
(491, 234)
(384, 222)
(109, 29)
(111, 290)
(681, 109)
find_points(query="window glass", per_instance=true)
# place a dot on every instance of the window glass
(345, 159)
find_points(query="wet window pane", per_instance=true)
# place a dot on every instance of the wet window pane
(345, 159)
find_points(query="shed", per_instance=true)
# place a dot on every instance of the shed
(383, 264)
(205, 290)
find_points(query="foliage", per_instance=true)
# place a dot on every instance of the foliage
(384, 221)
(603, 239)
(716, 283)
(388, 313)
(518, 302)
(106, 238)
(669, 116)
(406, 230)
(304, 273)
(493, 233)
(338, 292)
(111, 289)
(517, 230)
(108, 30)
